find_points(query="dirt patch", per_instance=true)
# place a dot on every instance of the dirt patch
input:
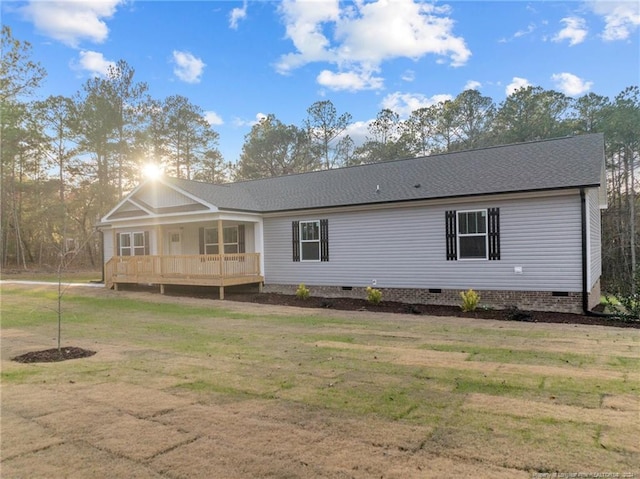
(54, 355)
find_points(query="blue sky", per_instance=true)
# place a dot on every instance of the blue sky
(241, 60)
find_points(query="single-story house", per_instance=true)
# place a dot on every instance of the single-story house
(519, 224)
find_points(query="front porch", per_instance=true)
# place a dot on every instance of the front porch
(218, 270)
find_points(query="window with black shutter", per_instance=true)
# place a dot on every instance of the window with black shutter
(310, 240)
(473, 234)
(295, 240)
(451, 236)
(494, 233)
(324, 240)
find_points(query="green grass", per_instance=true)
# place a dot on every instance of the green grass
(515, 356)
(18, 375)
(52, 277)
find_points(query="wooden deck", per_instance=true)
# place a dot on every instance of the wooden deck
(196, 270)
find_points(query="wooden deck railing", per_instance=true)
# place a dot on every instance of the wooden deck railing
(208, 269)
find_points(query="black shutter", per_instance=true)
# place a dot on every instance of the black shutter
(295, 239)
(494, 233)
(240, 238)
(452, 253)
(117, 244)
(324, 240)
(201, 240)
(146, 243)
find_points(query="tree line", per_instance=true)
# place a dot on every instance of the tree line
(66, 161)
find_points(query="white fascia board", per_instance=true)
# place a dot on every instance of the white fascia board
(602, 191)
(138, 205)
(122, 202)
(185, 218)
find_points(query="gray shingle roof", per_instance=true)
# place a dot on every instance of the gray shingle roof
(560, 163)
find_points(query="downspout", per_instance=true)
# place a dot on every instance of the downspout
(583, 217)
(585, 286)
(102, 254)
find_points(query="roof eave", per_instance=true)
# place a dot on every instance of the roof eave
(433, 198)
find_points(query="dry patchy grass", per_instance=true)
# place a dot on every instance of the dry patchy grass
(189, 388)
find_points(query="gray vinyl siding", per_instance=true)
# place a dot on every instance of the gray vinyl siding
(107, 244)
(405, 248)
(595, 246)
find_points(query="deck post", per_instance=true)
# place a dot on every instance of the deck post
(161, 288)
(221, 247)
(221, 292)
(160, 250)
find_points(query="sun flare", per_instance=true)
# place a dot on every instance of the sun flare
(152, 171)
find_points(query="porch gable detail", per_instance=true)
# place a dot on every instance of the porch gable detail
(157, 199)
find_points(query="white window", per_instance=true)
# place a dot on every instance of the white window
(229, 236)
(472, 234)
(310, 240)
(133, 244)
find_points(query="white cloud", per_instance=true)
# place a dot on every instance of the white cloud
(350, 81)
(574, 30)
(304, 27)
(213, 118)
(241, 122)
(527, 31)
(357, 131)
(472, 85)
(621, 18)
(570, 84)
(93, 62)
(237, 14)
(520, 33)
(516, 84)
(188, 68)
(409, 76)
(71, 21)
(405, 103)
(362, 35)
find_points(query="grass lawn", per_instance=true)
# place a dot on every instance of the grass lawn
(52, 277)
(186, 388)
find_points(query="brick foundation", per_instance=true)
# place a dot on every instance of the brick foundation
(562, 302)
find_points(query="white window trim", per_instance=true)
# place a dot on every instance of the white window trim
(310, 241)
(132, 248)
(468, 235)
(237, 244)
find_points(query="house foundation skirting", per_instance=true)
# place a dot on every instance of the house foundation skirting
(559, 301)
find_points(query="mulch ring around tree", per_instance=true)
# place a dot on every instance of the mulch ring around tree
(53, 355)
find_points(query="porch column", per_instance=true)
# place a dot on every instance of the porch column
(160, 239)
(160, 251)
(221, 255)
